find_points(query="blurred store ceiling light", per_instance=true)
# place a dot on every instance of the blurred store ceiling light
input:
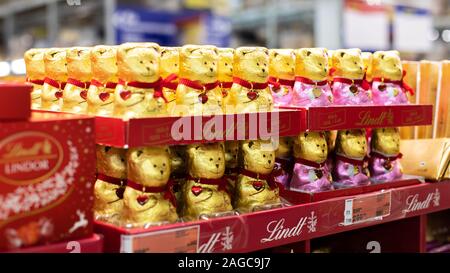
(433, 35)
(446, 35)
(4, 69)
(18, 67)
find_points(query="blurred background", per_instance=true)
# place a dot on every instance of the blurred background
(419, 29)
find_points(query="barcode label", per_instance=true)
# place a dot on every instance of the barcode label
(367, 207)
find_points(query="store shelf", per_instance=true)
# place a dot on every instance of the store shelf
(190, 129)
(138, 132)
(93, 244)
(276, 227)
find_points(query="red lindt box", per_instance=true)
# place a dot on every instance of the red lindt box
(15, 101)
(47, 172)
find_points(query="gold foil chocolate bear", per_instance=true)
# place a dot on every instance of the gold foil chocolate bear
(55, 81)
(170, 66)
(100, 97)
(148, 197)
(198, 90)
(204, 192)
(250, 91)
(111, 179)
(35, 67)
(255, 186)
(139, 93)
(225, 70)
(79, 76)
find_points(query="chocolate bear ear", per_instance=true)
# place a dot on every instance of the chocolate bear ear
(347, 132)
(305, 134)
(308, 53)
(275, 54)
(342, 54)
(196, 147)
(382, 56)
(250, 144)
(107, 149)
(139, 152)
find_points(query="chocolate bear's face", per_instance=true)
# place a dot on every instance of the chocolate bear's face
(104, 63)
(312, 63)
(199, 63)
(311, 146)
(138, 62)
(352, 143)
(206, 160)
(225, 64)
(387, 64)
(284, 147)
(282, 63)
(34, 60)
(149, 166)
(348, 63)
(111, 161)
(231, 154)
(56, 63)
(258, 156)
(79, 63)
(386, 141)
(251, 64)
(170, 61)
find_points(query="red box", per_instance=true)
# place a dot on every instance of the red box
(93, 244)
(137, 132)
(47, 168)
(15, 101)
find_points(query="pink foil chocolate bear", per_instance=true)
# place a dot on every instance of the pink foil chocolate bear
(349, 84)
(311, 86)
(281, 75)
(384, 163)
(351, 165)
(309, 173)
(388, 86)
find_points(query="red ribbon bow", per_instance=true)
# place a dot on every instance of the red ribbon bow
(221, 182)
(357, 162)
(156, 86)
(226, 85)
(54, 83)
(169, 82)
(277, 82)
(310, 163)
(250, 85)
(38, 82)
(112, 180)
(270, 178)
(309, 81)
(402, 83)
(167, 189)
(110, 85)
(80, 84)
(390, 158)
(363, 83)
(199, 86)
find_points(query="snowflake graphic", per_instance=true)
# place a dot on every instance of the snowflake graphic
(436, 198)
(227, 239)
(312, 222)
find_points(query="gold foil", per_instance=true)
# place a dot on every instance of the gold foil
(426, 157)
(109, 197)
(386, 141)
(311, 146)
(348, 63)
(56, 69)
(312, 63)
(351, 143)
(35, 67)
(149, 167)
(205, 161)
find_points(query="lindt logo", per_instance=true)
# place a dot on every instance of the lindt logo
(367, 118)
(28, 157)
(413, 203)
(277, 229)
